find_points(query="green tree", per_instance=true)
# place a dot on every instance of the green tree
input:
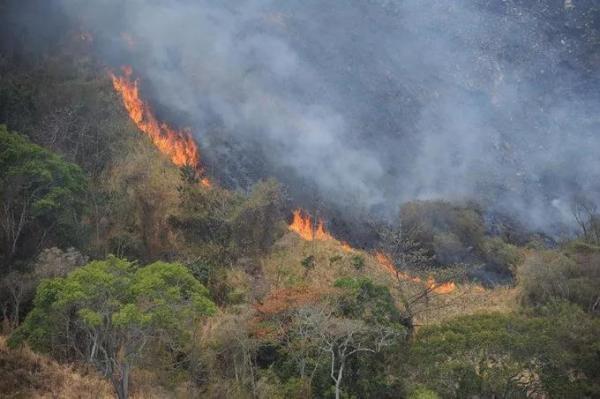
(41, 196)
(548, 276)
(255, 220)
(552, 354)
(107, 312)
(340, 347)
(220, 226)
(142, 194)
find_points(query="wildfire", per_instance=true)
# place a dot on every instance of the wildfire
(438, 288)
(346, 247)
(178, 145)
(443, 288)
(304, 225)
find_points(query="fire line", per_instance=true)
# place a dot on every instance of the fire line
(178, 145)
(304, 225)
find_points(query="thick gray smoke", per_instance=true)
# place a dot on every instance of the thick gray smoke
(378, 102)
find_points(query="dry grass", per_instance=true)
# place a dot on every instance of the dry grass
(283, 269)
(24, 374)
(466, 300)
(27, 375)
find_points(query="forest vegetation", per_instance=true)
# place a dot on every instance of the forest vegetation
(123, 275)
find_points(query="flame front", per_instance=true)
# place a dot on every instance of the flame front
(178, 145)
(443, 288)
(388, 266)
(304, 225)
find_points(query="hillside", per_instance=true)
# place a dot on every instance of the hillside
(381, 199)
(28, 375)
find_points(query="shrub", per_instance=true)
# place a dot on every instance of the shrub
(509, 355)
(548, 276)
(453, 229)
(107, 312)
(41, 196)
(449, 249)
(423, 393)
(503, 258)
(357, 262)
(308, 263)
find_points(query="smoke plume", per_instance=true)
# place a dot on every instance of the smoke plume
(373, 103)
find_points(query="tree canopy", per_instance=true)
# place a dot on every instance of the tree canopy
(37, 188)
(113, 310)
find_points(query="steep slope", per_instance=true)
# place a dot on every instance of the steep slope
(331, 260)
(29, 375)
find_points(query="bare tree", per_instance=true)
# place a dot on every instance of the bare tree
(412, 267)
(342, 338)
(229, 352)
(586, 216)
(17, 288)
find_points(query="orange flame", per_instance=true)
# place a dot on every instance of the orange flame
(346, 247)
(388, 266)
(178, 145)
(443, 288)
(304, 225)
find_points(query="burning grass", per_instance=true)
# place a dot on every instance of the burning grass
(283, 270)
(178, 145)
(437, 287)
(314, 230)
(309, 229)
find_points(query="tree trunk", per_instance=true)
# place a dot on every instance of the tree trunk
(121, 384)
(338, 382)
(16, 316)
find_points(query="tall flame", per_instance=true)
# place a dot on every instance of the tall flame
(388, 266)
(304, 225)
(178, 145)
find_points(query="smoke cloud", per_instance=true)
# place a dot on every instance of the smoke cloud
(374, 103)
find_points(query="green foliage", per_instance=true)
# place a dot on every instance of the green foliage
(423, 393)
(42, 196)
(116, 306)
(221, 226)
(308, 263)
(202, 270)
(360, 298)
(510, 355)
(502, 257)
(549, 276)
(424, 219)
(357, 262)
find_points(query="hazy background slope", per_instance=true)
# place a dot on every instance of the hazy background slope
(364, 105)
